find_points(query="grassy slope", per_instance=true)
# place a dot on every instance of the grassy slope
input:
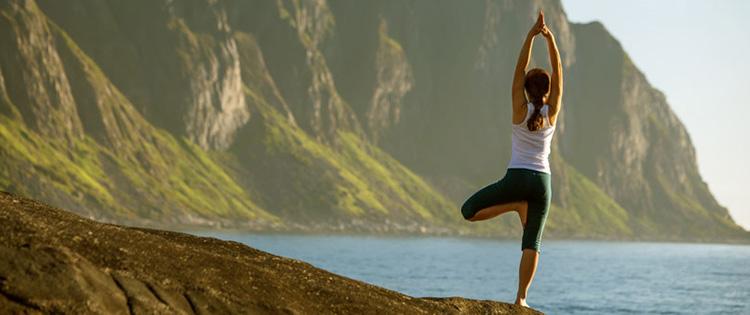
(132, 170)
(348, 180)
(126, 168)
(582, 209)
(342, 179)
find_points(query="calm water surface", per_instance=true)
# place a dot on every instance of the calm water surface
(574, 277)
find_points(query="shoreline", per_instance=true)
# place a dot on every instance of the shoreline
(223, 226)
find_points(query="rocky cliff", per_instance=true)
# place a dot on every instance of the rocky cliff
(57, 262)
(374, 116)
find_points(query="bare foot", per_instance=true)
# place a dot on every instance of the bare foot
(522, 302)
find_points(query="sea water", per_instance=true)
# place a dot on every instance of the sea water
(574, 277)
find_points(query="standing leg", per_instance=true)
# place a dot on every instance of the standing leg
(538, 209)
(526, 271)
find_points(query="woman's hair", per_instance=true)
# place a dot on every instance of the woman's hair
(536, 84)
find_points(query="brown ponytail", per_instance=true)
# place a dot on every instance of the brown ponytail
(537, 85)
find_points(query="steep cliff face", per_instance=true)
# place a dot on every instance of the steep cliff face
(625, 162)
(355, 115)
(177, 60)
(166, 163)
(116, 159)
(622, 134)
(38, 85)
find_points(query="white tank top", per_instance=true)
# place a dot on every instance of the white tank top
(530, 149)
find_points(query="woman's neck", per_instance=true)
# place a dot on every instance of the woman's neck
(544, 100)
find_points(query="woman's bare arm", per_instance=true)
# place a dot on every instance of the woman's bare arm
(556, 82)
(519, 97)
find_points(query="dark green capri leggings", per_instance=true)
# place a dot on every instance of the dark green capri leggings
(518, 184)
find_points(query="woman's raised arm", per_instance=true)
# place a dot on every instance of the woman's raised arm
(556, 82)
(519, 97)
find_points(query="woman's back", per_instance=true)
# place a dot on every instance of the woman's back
(531, 149)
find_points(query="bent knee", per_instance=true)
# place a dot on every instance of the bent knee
(468, 212)
(523, 205)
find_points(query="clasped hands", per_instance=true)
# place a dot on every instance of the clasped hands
(540, 27)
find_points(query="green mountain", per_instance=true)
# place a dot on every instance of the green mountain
(373, 116)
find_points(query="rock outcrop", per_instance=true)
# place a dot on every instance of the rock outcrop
(53, 261)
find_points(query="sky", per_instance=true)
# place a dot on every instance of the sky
(698, 53)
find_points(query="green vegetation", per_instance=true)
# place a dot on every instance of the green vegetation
(134, 172)
(116, 139)
(585, 210)
(193, 183)
(359, 174)
(29, 157)
(283, 139)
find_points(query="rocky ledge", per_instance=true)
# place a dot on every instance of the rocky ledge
(53, 261)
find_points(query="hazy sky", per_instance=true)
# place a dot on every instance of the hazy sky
(698, 53)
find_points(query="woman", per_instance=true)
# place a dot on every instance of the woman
(526, 187)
